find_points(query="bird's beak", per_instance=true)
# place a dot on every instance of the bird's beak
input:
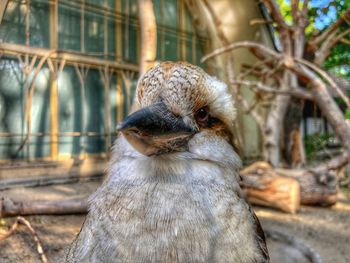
(155, 130)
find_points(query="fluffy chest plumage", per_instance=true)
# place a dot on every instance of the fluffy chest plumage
(183, 212)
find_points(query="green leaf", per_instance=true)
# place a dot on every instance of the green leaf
(347, 114)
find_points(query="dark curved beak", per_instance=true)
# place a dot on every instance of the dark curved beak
(155, 130)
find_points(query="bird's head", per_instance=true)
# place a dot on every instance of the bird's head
(178, 101)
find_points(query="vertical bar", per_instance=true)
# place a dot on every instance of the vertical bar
(194, 48)
(54, 126)
(126, 29)
(27, 36)
(183, 35)
(120, 97)
(138, 45)
(53, 117)
(28, 3)
(118, 42)
(162, 33)
(82, 26)
(105, 35)
(83, 137)
(178, 29)
(118, 31)
(53, 24)
(107, 109)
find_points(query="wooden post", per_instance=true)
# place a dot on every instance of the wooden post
(53, 24)
(53, 117)
(120, 98)
(118, 32)
(54, 130)
(182, 18)
(162, 31)
(148, 35)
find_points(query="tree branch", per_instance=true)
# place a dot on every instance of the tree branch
(256, 116)
(276, 13)
(328, 44)
(304, 8)
(324, 75)
(345, 41)
(38, 244)
(254, 47)
(296, 92)
(333, 164)
(314, 42)
(282, 26)
(217, 23)
(295, 11)
(301, 68)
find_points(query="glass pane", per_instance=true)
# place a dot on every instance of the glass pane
(11, 107)
(188, 22)
(129, 7)
(94, 33)
(108, 4)
(160, 41)
(12, 28)
(111, 39)
(170, 46)
(170, 12)
(130, 43)
(40, 114)
(68, 28)
(189, 52)
(70, 111)
(200, 52)
(39, 24)
(95, 117)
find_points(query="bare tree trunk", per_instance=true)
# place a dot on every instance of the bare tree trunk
(293, 145)
(148, 41)
(274, 126)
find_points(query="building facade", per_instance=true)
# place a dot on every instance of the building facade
(68, 72)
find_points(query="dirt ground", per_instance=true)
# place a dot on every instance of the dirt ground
(326, 230)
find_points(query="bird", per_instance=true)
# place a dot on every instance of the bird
(172, 193)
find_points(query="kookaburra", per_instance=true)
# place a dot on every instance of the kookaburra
(172, 192)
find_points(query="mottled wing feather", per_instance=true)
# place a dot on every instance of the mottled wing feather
(260, 237)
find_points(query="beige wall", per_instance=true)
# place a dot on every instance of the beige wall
(235, 17)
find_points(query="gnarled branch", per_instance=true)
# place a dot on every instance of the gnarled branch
(297, 92)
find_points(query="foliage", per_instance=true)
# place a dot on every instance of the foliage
(315, 143)
(338, 61)
(321, 14)
(347, 114)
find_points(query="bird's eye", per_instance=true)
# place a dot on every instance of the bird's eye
(202, 115)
